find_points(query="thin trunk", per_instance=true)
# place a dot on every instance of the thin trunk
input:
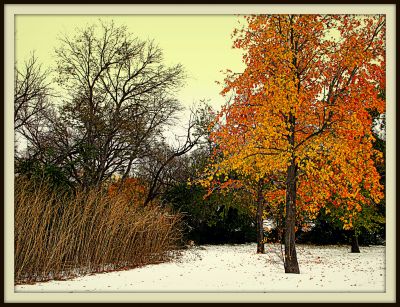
(355, 248)
(259, 220)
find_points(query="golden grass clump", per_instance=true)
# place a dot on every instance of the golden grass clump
(62, 235)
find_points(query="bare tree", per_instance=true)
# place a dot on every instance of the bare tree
(31, 93)
(32, 110)
(119, 99)
(162, 165)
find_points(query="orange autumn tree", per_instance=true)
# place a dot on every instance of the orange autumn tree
(223, 178)
(227, 173)
(300, 108)
(132, 189)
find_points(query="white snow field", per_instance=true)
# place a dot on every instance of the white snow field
(238, 268)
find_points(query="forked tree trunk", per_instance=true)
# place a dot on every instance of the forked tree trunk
(291, 264)
(259, 220)
(355, 248)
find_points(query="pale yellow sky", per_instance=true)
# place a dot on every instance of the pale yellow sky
(201, 43)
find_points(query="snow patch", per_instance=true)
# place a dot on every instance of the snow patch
(238, 268)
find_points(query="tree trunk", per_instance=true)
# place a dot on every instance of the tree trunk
(355, 248)
(291, 264)
(259, 220)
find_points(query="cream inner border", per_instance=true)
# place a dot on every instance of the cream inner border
(10, 10)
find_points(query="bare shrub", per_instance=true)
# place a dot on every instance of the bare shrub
(61, 235)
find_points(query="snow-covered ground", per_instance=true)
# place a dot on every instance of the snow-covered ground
(238, 268)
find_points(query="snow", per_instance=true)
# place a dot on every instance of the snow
(238, 268)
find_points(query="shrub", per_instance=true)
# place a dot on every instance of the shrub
(61, 235)
(219, 219)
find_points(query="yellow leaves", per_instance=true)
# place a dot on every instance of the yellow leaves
(265, 240)
(347, 225)
(332, 139)
(306, 227)
(377, 197)
(379, 158)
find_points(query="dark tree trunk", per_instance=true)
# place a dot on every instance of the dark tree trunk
(355, 248)
(291, 264)
(290, 261)
(259, 220)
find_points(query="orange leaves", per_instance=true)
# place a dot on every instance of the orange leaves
(131, 188)
(304, 95)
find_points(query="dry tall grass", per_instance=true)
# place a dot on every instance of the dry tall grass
(59, 236)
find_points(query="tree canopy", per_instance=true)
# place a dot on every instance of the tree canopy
(300, 111)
